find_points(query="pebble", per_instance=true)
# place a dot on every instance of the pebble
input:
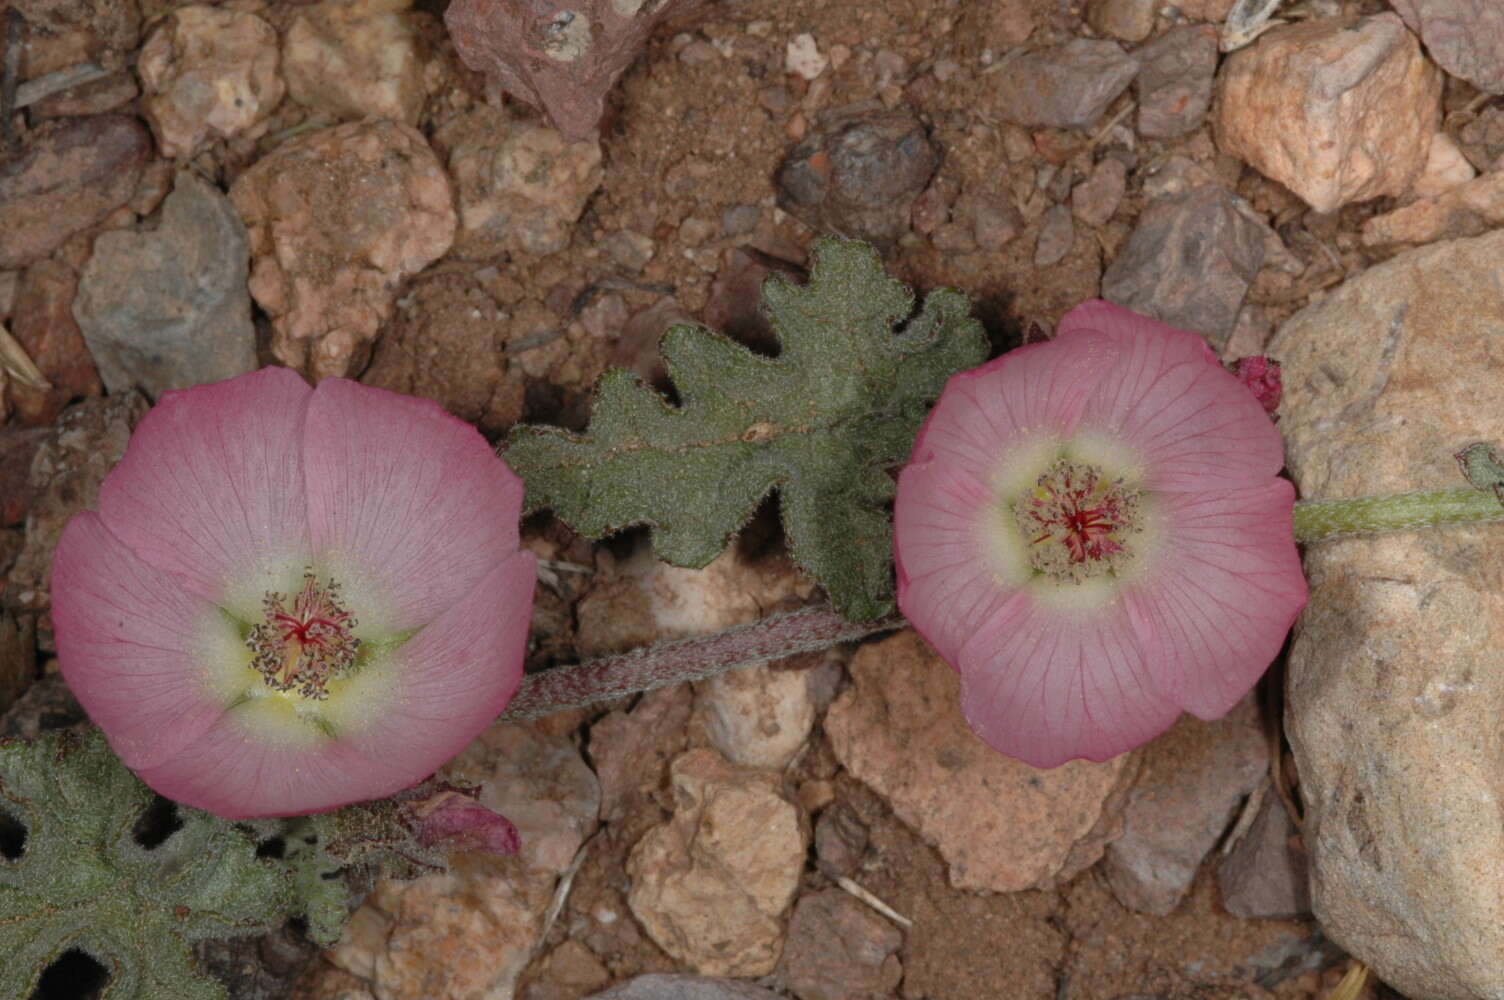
(45, 328)
(994, 223)
(1128, 20)
(758, 716)
(472, 930)
(710, 886)
(840, 840)
(1482, 138)
(1265, 876)
(209, 71)
(1001, 825)
(71, 175)
(1096, 199)
(1446, 167)
(1465, 37)
(1215, 11)
(586, 48)
(1175, 82)
(632, 748)
(1194, 779)
(1336, 111)
(802, 57)
(739, 220)
(840, 949)
(521, 186)
(859, 173)
(1056, 235)
(61, 33)
(1189, 262)
(1066, 86)
(337, 218)
(1395, 681)
(447, 342)
(356, 58)
(628, 249)
(666, 986)
(1468, 209)
(167, 308)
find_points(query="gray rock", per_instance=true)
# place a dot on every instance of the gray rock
(1175, 83)
(1396, 674)
(840, 949)
(1188, 262)
(661, 986)
(840, 839)
(1465, 37)
(169, 309)
(1067, 86)
(859, 173)
(1055, 237)
(1264, 875)
(72, 174)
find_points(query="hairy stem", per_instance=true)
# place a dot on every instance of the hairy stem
(1317, 520)
(771, 638)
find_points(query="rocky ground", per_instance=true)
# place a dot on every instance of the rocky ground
(329, 186)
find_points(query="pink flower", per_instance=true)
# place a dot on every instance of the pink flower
(1092, 532)
(1261, 377)
(293, 598)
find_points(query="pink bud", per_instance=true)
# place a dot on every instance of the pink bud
(453, 821)
(1261, 377)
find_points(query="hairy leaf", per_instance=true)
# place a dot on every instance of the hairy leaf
(822, 422)
(82, 881)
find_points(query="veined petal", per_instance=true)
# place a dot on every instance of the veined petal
(958, 560)
(147, 659)
(1222, 594)
(408, 506)
(1048, 685)
(211, 487)
(1029, 393)
(1194, 425)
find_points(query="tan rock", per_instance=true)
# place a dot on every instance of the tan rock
(1337, 111)
(758, 716)
(336, 219)
(1446, 167)
(711, 885)
(1468, 209)
(632, 748)
(1204, 10)
(469, 932)
(1396, 675)
(356, 58)
(209, 71)
(1000, 824)
(521, 186)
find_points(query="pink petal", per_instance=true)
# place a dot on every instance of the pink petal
(456, 675)
(456, 822)
(211, 485)
(1223, 593)
(1035, 389)
(131, 643)
(1193, 424)
(406, 495)
(1047, 686)
(947, 587)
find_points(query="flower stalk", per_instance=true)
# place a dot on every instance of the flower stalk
(1320, 520)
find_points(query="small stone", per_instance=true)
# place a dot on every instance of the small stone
(168, 308)
(631, 749)
(1128, 20)
(695, 232)
(1249, 334)
(18, 446)
(1337, 111)
(954, 237)
(1175, 81)
(559, 55)
(569, 971)
(447, 342)
(931, 209)
(72, 174)
(802, 57)
(1193, 779)
(1468, 209)
(336, 219)
(1395, 680)
(1446, 167)
(628, 249)
(1189, 262)
(521, 186)
(1067, 86)
(1215, 11)
(209, 71)
(1055, 237)
(840, 840)
(711, 886)
(356, 58)
(859, 173)
(759, 716)
(699, 53)
(840, 949)
(1096, 199)
(46, 330)
(1264, 875)
(1465, 37)
(994, 224)
(1000, 824)
(663, 986)
(61, 33)
(738, 220)
(1482, 138)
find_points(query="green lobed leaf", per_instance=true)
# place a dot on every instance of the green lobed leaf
(822, 422)
(82, 881)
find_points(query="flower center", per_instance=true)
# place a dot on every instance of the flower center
(304, 647)
(1076, 522)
